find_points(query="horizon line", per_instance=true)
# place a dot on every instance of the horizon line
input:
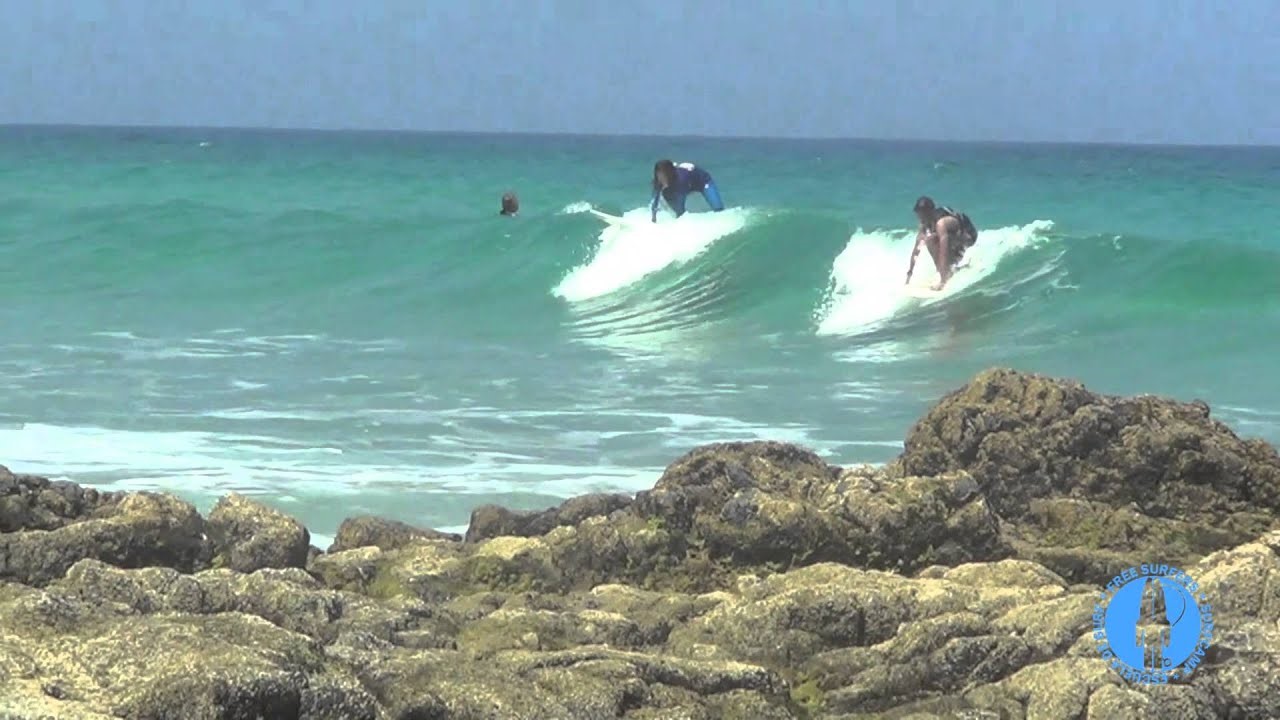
(622, 135)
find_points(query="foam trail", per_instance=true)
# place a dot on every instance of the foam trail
(634, 249)
(86, 451)
(204, 467)
(867, 277)
(576, 208)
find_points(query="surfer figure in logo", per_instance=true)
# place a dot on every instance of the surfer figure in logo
(946, 233)
(1153, 632)
(674, 181)
(510, 205)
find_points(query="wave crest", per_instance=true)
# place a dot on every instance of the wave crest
(866, 287)
(635, 248)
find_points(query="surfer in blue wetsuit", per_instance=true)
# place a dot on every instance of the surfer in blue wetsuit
(674, 181)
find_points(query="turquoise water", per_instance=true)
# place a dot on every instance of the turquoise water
(341, 323)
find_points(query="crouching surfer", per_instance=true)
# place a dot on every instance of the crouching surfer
(674, 181)
(946, 233)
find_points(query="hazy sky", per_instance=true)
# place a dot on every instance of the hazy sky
(1162, 71)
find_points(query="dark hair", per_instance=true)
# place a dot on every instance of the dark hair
(510, 204)
(663, 168)
(925, 203)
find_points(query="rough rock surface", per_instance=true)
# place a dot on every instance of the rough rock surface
(489, 521)
(753, 581)
(247, 536)
(33, 503)
(1090, 484)
(137, 530)
(367, 530)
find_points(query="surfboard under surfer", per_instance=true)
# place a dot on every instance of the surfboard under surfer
(674, 181)
(946, 233)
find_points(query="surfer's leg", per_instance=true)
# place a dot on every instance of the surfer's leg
(676, 201)
(931, 243)
(712, 194)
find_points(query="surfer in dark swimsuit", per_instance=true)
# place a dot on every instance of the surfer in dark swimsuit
(946, 233)
(510, 205)
(674, 181)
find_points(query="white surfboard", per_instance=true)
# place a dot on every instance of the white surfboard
(922, 292)
(611, 219)
(922, 288)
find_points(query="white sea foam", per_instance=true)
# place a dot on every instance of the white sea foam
(631, 250)
(210, 464)
(866, 286)
(575, 208)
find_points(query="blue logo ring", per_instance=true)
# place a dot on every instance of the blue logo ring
(1152, 624)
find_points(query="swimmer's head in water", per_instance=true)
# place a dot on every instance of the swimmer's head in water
(925, 208)
(664, 174)
(510, 205)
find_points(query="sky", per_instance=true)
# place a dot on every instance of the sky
(1126, 71)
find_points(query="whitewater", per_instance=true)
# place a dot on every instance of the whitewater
(342, 324)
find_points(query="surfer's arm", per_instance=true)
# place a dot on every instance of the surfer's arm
(915, 251)
(653, 206)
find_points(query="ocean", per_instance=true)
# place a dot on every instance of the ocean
(341, 323)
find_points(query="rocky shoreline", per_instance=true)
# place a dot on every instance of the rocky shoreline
(753, 581)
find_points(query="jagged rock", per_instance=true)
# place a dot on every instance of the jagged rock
(370, 531)
(28, 502)
(140, 530)
(773, 505)
(586, 682)
(115, 662)
(490, 521)
(1165, 457)
(288, 598)
(248, 536)
(1090, 483)
(718, 510)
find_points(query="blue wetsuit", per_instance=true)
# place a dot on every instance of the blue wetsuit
(689, 178)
